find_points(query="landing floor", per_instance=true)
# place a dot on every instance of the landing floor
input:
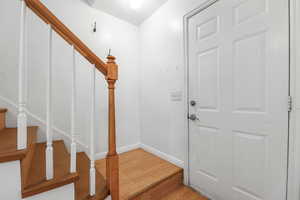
(140, 171)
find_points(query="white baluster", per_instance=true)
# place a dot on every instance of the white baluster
(49, 149)
(73, 114)
(92, 150)
(22, 117)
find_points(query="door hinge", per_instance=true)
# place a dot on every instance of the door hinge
(290, 103)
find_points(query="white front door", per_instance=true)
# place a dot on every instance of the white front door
(239, 80)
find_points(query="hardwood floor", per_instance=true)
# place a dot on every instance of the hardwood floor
(183, 193)
(144, 176)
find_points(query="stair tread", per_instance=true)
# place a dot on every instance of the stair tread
(37, 173)
(82, 185)
(140, 171)
(8, 143)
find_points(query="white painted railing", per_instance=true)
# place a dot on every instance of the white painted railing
(49, 148)
(22, 117)
(73, 114)
(92, 142)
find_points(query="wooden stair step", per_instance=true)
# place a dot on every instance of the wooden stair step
(83, 184)
(8, 143)
(37, 182)
(2, 118)
(144, 175)
(161, 188)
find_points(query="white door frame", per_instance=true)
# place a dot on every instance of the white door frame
(202, 7)
(293, 187)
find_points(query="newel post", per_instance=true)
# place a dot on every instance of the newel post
(112, 158)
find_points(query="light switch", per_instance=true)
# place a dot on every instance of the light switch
(176, 96)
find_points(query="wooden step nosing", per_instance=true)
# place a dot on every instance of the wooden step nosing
(49, 185)
(12, 156)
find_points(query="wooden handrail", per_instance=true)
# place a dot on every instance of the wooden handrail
(48, 17)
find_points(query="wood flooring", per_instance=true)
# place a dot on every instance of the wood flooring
(144, 176)
(183, 193)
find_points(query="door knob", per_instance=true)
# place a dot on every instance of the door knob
(193, 117)
(193, 102)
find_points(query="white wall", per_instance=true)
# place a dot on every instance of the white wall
(10, 180)
(162, 73)
(113, 33)
(10, 183)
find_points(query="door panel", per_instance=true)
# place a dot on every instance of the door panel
(238, 76)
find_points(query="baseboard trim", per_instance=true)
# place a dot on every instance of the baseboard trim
(147, 148)
(163, 155)
(123, 149)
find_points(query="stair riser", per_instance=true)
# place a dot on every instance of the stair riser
(2, 121)
(26, 164)
(163, 188)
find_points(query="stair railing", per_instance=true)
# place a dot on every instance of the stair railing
(109, 70)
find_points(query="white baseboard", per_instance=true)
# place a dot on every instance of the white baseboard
(163, 155)
(119, 150)
(147, 148)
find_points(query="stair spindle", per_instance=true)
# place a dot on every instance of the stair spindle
(92, 150)
(22, 117)
(73, 114)
(49, 148)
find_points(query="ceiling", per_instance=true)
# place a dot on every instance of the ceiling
(124, 10)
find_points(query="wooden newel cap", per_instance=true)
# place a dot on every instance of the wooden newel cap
(111, 59)
(112, 68)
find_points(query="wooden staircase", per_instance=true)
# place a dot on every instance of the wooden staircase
(33, 161)
(46, 166)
